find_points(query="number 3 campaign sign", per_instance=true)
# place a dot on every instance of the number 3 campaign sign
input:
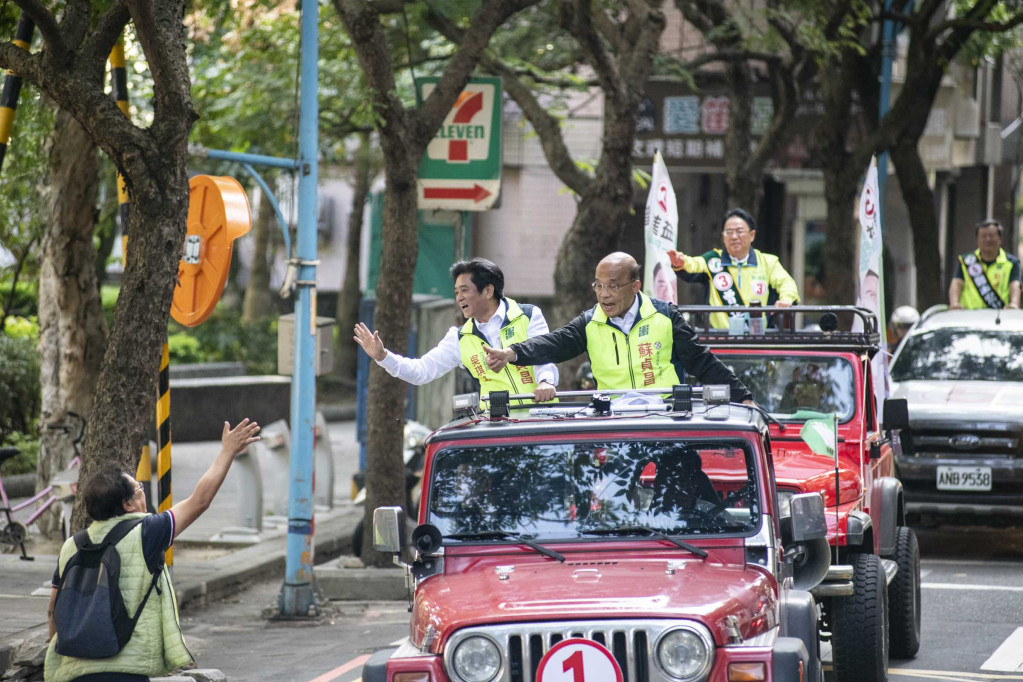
(578, 660)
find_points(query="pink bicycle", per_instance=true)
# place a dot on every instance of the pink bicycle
(61, 489)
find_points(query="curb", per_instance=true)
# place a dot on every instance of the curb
(229, 574)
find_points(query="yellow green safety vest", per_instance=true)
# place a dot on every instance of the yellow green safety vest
(993, 280)
(639, 359)
(511, 378)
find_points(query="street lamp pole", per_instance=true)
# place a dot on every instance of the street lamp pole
(297, 598)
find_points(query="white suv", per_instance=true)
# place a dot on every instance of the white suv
(961, 372)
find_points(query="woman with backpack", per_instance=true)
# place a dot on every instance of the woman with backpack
(113, 614)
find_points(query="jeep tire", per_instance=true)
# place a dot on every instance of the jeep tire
(904, 596)
(859, 624)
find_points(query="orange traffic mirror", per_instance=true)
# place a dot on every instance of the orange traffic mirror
(218, 213)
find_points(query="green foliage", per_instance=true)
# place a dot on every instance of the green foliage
(223, 338)
(24, 463)
(24, 301)
(22, 328)
(982, 44)
(19, 386)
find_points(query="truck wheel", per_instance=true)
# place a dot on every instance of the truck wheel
(859, 624)
(904, 596)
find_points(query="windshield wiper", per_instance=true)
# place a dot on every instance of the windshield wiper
(502, 535)
(626, 530)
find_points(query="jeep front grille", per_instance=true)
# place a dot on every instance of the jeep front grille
(962, 442)
(523, 645)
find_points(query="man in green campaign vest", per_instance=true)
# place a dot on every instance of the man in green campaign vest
(987, 277)
(633, 341)
(739, 274)
(491, 319)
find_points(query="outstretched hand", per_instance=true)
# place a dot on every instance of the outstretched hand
(497, 358)
(370, 342)
(234, 441)
(677, 258)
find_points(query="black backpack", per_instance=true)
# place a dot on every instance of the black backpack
(91, 619)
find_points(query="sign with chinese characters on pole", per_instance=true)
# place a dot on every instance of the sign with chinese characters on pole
(461, 168)
(688, 127)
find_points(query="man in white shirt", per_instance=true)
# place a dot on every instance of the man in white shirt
(491, 320)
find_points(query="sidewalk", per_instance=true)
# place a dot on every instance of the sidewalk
(204, 570)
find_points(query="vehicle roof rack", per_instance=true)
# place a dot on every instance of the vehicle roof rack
(780, 332)
(679, 400)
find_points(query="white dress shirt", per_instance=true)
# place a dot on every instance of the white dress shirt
(447, 354)
(626, 321)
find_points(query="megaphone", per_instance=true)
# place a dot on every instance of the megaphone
(811, 565)
(426, 539)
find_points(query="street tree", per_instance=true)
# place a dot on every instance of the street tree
(69, 68)
(617, 44)
(850, 132)
(747, 46)
(404, 132)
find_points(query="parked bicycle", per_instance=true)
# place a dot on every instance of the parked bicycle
(62, 489)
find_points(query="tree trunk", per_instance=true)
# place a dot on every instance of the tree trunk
(923, 218)
(127, 388)
(72, 329)
(258, 302)
(745, 184)
(350, 296)
(385, 408)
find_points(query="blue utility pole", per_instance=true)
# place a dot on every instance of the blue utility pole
(297, 598)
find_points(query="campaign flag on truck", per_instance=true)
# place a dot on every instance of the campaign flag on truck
(821, 434)
(661, 223)
(871, 278)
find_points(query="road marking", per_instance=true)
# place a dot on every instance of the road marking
(341, 670)
(1009, 656)
(965, 586)
(950, 676)
(398, 642)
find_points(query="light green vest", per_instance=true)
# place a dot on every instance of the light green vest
(997, 274)
(639, 359)
(156, 646)
(512, 378)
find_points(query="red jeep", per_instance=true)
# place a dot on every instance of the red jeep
(871, 596)
(607, 538)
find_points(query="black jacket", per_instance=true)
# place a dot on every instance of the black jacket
(688, 355)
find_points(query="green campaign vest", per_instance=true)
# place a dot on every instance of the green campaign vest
(512, 378)
(639, 359)
(982, 283)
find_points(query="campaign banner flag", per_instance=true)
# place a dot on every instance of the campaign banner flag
(821, 435)
(871, 279)
(661, 229)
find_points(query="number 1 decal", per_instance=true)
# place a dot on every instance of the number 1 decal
(578, 660)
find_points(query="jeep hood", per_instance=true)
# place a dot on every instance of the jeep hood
(542, 590)
(959, 400)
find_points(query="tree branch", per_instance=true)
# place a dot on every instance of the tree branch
(581, 27)
(74, 23)
(108, 30)
(48, 28)
(547, 127)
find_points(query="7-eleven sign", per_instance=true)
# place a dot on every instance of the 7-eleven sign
(461, 169)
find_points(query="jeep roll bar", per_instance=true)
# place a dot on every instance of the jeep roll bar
(783, 334)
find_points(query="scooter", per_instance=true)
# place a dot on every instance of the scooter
(414, 455)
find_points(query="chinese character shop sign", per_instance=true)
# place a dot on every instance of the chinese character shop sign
(461, 169)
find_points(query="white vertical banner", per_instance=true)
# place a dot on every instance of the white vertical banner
(661, 228)
(871, 278)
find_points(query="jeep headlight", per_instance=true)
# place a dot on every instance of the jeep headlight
(685, 654)
(477, 659)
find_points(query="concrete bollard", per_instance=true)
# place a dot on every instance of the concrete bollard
(250, 501)
(323, 458)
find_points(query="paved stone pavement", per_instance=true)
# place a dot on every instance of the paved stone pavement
(203, 569)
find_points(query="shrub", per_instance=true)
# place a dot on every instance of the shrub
(22, 328)
(19, 386)
(25, 463)
(223, 338)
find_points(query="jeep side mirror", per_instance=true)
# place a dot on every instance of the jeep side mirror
(388, 529)
(896, 413)
(808, 522)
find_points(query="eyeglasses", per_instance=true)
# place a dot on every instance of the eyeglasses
(735, 233)
(612, 288)
(139, 488)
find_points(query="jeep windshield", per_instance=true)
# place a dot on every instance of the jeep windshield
(785, 386)
(959, 354)
(568, 491)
